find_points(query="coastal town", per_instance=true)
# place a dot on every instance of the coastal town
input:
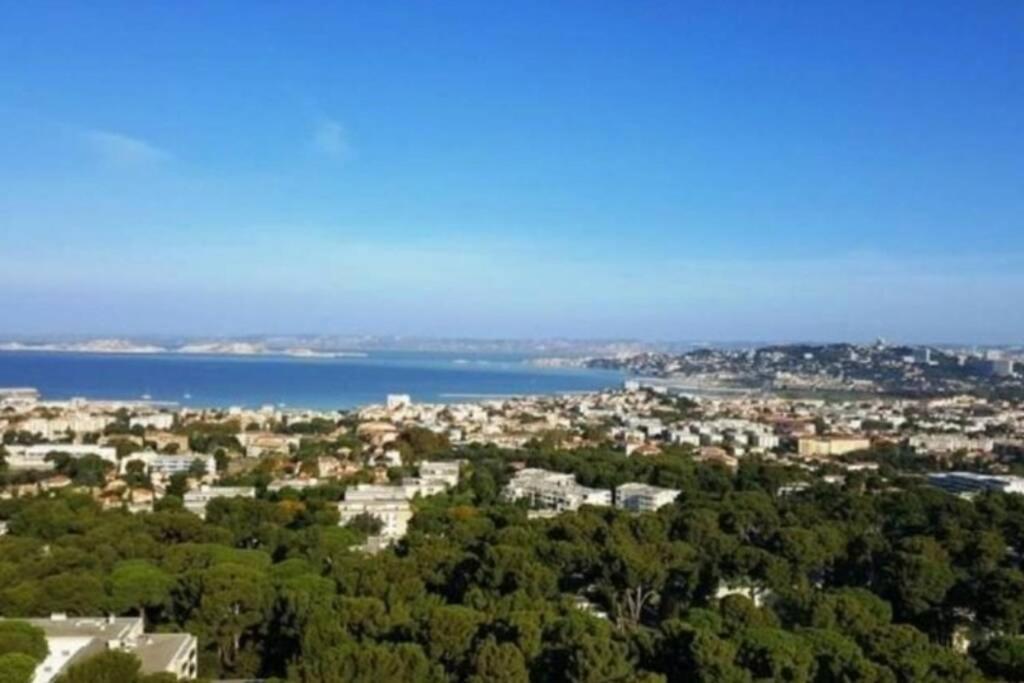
(377, 467)
(131, 454)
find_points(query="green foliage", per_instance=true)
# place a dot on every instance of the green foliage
(1002, 657)
(826, 585)
(111, 666)
(22, 638)
(16, 667)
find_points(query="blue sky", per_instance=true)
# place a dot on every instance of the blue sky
(675, 170)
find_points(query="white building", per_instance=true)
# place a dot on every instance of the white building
(34, 457)
(398, 401)
(554, 490)
(298, 484)
(197, 500)
(970, 483)
(948, 443)
(167, 465)
(443, 471)
(388, 504)
(157, 421)
(55, 427)
(72, 640)
(644, 497)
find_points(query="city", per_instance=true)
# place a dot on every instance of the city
(381, 474)
(600, 341)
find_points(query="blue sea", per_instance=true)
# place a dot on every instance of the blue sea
(322, 383)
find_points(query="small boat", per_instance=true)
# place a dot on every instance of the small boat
(147, 397)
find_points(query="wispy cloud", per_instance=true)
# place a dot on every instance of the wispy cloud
(124, 151)
(331, 139)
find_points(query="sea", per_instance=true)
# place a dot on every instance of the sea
(292, 382)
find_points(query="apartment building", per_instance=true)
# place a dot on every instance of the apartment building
(196, 500)
(72, 640)
(831, 445)
(167, 465)
(554, 490)
(643, 497)
(34, 457)
(388, 504)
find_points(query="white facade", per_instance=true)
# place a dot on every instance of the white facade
(158, 421)
(297, 484)
(79, 423)
(166, 465)
(447, 472)
(644, 497)
(74, 639)
(196, 500)
(554, 490)
(34, 457)
(385, 503)
(948, 443)
(397, 401)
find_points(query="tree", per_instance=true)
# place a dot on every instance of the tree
(138, 585)
(917, 576)
(16, 667)
(449, 633)
(112, 666)
(366, 523)
(197, 469)
(496, 663)
(23, 638)
(1002, 656)
(774, 654)
(235, 600)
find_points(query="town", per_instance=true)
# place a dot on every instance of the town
(379, 464)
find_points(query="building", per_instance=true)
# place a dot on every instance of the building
(443, 471)
(388, 504)
(167, 465)
(34, 457)
(643, 497)
(72, 640)
(197, 500)
(970, 483)
(831, 445)
(56, 427)
(156, 421)
(398, 401)
(279, 485)
(553, 490)
(256, 444)
(1001, 367)
(948, 443)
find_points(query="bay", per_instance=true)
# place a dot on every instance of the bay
(320, 383)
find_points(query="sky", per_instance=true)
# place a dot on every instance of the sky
(653, 170)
